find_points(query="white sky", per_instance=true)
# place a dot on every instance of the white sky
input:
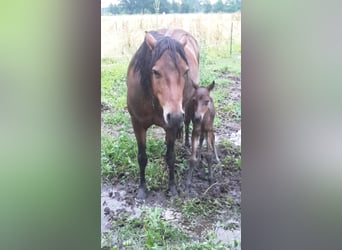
(105, 3)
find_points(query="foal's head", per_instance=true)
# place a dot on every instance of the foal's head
(202, 101)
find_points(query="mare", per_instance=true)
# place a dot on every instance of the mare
(160, 83)
(201, 112)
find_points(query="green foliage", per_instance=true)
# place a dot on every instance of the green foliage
(200, 207)
(149, 231)
(186, 6)
(118, 155)
(152, 231)
(233, 157)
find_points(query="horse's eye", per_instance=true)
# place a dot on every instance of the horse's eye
(206, 102)
(156, 73)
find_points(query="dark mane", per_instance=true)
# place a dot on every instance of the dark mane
(144, 59)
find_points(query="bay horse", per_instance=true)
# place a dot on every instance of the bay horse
(201, 112)
(160, 82)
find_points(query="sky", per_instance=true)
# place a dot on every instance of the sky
(105, 3)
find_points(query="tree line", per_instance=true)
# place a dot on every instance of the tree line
(165, 6)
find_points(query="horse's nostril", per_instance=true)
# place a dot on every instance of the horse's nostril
(183, 115)
(168, 116)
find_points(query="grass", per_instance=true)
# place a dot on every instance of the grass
(121, 35)
(152, 231)
(233, 157)
(201, 207)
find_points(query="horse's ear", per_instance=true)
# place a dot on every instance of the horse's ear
(150, 40)
(183, 40)
(211, 86)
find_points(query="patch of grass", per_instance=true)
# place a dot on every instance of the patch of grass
(152, 231)
(149, 231)
(233, 156)
(118, 155)
(233, 110)
(156, 174)
(113, 85)
(117, 118)
(210, 243)
(200, 207)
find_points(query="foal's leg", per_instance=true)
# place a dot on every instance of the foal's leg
(193, 159)
(140, 135)
(209, 155)
(217, 160)
(170, 159)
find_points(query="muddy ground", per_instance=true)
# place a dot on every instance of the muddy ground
(224, 194)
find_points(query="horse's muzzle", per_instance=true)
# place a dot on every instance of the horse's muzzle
(175, 120)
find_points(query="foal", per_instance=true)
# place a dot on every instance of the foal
(201, 112)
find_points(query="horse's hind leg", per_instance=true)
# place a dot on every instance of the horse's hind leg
(180, 134)
(186, 123)
(140, 135)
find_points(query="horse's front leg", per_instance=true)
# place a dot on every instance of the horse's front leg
(170, 159)
(140, 135)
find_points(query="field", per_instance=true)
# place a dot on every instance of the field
(209, 217)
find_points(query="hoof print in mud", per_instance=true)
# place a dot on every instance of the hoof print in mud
(106, 210)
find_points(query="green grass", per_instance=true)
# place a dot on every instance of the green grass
(149, 231)
(113, 85)
(201, 207)
(152, 231)
(233, 158)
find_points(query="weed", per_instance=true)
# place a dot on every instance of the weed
(118, 155)
(149, 231)
(233, 110)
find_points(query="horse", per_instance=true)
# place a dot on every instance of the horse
(201, 112)
(160, 82)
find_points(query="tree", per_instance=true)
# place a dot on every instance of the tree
(185, 6)
(137, 6)
(114, 9)
(206, 6)
(190, 6)
(175, 7)
(165, 6)
(218, 6)
(156, 5)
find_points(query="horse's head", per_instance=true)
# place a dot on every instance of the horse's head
(201, 101)
(169, 73)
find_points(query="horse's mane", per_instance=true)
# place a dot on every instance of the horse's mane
(144, 58)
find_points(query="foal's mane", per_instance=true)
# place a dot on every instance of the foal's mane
(144, 59)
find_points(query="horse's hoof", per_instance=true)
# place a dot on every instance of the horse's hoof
(141, 194)
(173, 190)
(216, 160)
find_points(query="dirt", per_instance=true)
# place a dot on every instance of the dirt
(225, 190)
